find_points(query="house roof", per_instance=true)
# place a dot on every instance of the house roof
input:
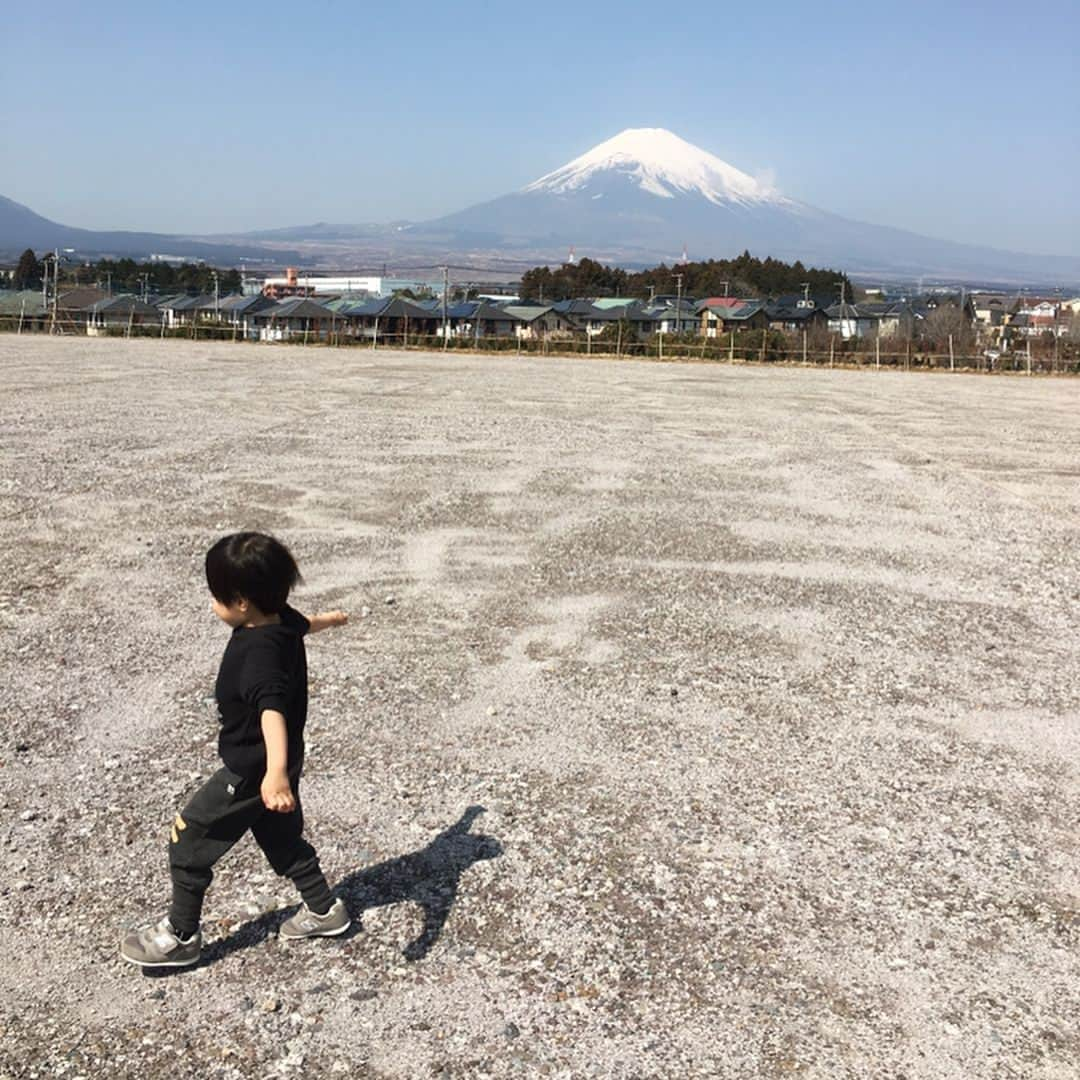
(527, 312)
(80, 299)
(793, 309)
(246, 305)
(124, 305)
(737, 312)
(297, 307)
(365, 308)
(400, 308)
(185, 303)
(165, 303)
(572, 307)
(493, 313)
(26, 301)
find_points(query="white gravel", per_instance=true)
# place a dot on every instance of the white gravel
(766, 680)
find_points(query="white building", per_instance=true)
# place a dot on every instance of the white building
(357, 285)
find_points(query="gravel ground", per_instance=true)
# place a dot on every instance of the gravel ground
(693, 721)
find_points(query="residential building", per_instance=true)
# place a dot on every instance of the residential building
(120, 311)
(796, 313)
(719, 315)
(295, 317)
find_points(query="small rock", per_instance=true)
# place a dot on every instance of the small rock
(111, 763)
(157, 995)
(22, 886)
(363, 995)
(897, 962)
(390, 600)
(270, 1004)
(365, 612)
(492, 711)
(245, 1004)
(21, 747)
(319, 988)
(29, 815)
(511, 1031)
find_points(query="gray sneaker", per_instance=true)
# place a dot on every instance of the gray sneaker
(158, 946)
(305, 923)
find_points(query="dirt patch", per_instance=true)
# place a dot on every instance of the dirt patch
(702, 724)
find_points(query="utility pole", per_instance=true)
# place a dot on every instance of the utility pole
(214, 274)
(652, 295)
(678, 301)
(56, 285)
(843, 307)
(806, 291)
(445, 292)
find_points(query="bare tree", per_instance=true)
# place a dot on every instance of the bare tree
(949, 320)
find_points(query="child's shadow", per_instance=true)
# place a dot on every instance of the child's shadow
(428, 877)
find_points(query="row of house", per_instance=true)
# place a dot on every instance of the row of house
(263, 317)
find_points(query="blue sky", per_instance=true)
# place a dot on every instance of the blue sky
(954, 120)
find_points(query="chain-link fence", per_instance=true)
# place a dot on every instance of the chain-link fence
(746, 347)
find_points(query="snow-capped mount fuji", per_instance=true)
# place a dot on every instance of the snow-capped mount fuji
(661, 164)
(643, 194)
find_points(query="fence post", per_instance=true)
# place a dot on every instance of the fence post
(877, 348)
(804, 345)
(832, 349)
(952, 355)
(731, 346)
(764, 335)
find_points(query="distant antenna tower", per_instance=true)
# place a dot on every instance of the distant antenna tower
(571, 258)
(685, 257)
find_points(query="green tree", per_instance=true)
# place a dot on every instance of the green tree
(28, 272)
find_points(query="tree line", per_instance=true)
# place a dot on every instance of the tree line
(744, 275)
(127, 275)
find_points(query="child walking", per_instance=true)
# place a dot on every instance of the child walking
(262, 697)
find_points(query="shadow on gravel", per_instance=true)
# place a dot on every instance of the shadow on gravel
(428, 877)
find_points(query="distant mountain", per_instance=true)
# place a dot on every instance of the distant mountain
(646, 192)
(635, 199)
(21, 228)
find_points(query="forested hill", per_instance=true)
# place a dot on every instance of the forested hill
(742, 276)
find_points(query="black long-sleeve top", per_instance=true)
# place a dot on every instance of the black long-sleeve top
(264, 667)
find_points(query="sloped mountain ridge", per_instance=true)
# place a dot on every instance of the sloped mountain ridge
(645, 193)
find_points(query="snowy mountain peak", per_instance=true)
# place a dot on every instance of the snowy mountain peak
(662, 164)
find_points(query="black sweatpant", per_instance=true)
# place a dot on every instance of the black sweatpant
(217, 816)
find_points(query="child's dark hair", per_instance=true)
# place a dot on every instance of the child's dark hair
(252, 566)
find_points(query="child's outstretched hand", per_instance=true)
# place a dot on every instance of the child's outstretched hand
(277, 793)
(325, 619)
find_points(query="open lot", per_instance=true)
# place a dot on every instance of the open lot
(766, 682)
